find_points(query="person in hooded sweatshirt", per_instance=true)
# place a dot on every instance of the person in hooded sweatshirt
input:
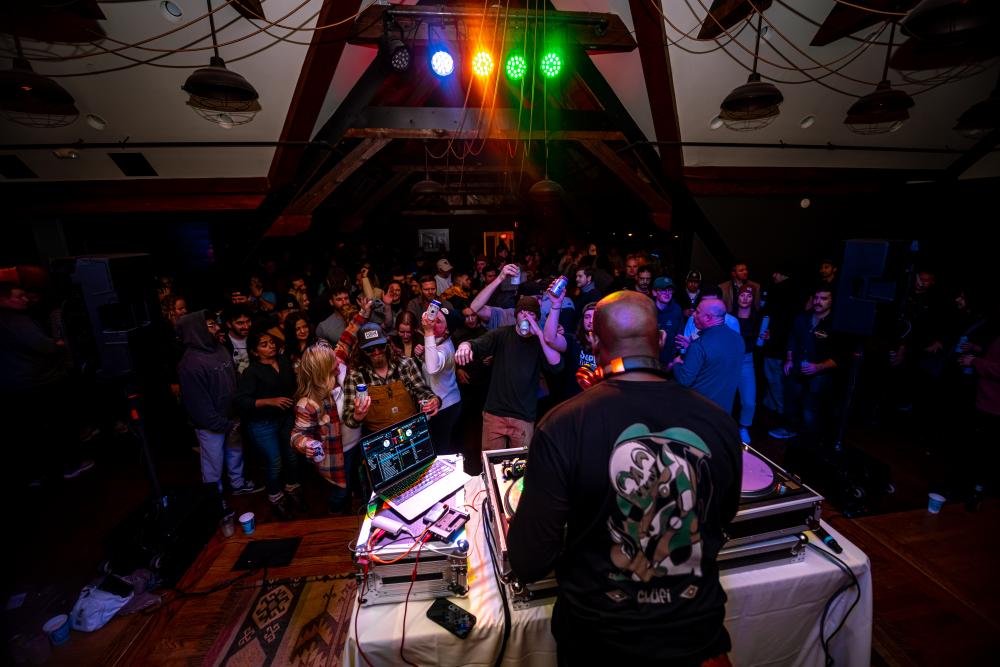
(208, 383)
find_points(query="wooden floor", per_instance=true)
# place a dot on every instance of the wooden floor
(936, 590)
(936, 584)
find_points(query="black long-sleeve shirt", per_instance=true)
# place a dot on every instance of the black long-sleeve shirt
(627, 491)
(261, 381)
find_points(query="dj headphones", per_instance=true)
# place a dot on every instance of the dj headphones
(587, 377)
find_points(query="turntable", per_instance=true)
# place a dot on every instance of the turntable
(503, 477)
(774, 510)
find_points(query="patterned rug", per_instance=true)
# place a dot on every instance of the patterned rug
(297, 622)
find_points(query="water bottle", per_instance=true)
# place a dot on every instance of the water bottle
(764, 321)
(558, 287)
(433, 308)
(968, 370)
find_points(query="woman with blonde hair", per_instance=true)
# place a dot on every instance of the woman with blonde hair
(318, 432)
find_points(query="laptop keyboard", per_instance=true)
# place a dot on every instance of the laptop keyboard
(406, 489)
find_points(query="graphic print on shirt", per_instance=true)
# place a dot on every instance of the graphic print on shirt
(655, 529)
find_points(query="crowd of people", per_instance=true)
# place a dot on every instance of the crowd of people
(629, 486)
(275, 359)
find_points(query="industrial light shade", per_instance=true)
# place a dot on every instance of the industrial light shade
(980, 118)
(752, 106)
(951, 21)
(427, 186)
(218, 84)
(883, 110)
(545, 191)
(34, 100)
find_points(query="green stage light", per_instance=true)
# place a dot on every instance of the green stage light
(516, 66)
(551, 64)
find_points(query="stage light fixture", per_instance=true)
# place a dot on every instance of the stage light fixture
(482, 64)
(551, 64)
(517, 66)
(442, 62)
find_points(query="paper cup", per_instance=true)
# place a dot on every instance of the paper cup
(248, 522)
(935, 501)
(57, 628)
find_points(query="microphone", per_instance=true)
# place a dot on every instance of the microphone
(824, 536)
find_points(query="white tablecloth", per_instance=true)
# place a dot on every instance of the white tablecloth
(773, 616)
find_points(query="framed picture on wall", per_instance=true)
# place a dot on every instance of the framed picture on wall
(434, 240)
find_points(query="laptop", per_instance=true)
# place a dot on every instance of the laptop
(404, 470)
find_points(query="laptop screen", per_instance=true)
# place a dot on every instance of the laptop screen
(397, 450)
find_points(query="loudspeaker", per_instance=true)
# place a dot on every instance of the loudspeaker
(165, 536)
(873, 276)
(117, 292)
(851, 480)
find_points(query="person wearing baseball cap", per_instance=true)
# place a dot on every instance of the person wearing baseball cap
(520, 353)
(395, 386)
(443, 276)
(668, 317)
(692, 291)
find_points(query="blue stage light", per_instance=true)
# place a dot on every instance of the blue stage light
(442, 63)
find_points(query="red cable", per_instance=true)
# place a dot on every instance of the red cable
(406, 603)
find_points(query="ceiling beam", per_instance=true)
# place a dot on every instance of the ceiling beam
(656, 72)
(318, 68)
(596, 32)
(981, 149)
(460, 118)
(133, 196)
(494, 134)
(806, 181)
(331, 180)
(653, 200)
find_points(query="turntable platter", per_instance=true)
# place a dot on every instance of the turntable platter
(758, 478)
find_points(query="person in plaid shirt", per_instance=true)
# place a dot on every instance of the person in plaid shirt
(396, 387)
(319, 402)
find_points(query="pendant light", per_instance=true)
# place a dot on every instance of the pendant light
(982, 117)
(428, 186)
(884, 109)
(755, 104)
(218, 94)
(33, 100)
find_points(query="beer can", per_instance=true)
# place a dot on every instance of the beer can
(362, 391)
(433, 308)
(319, 455)
(558, 286)
(523, 327)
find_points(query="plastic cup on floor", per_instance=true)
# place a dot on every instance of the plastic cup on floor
(228, 524)
(57, 628)
(935, 501)
(248, 522)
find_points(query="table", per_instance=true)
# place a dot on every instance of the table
(772, 615)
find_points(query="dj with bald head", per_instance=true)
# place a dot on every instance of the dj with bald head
(627, 491)
(712, 363)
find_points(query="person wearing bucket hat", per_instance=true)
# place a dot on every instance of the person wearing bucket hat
(644, 478)
(395, 387)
